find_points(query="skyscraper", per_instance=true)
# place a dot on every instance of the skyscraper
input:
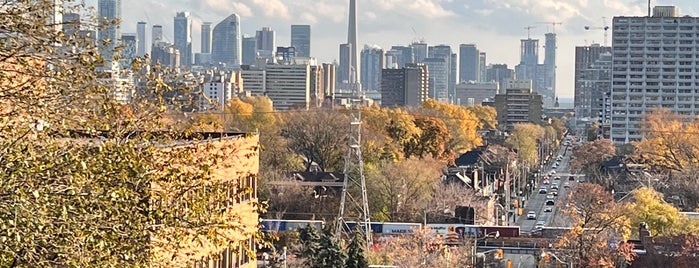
(550, 63)
(227, 42)
(585, 99)
(266, 43)
(141, 36)
(249, 47)
(354, 45)
(108, 12)
(344, 71)
(183, 37)
(156, 34)
(419, 51)
(372, 61)
(444, 52)
(206, 37)
(301, 39)
(71, 23)
(469, 62)
(128, 52)
(438, 69)
(481, 66)
(407, 86)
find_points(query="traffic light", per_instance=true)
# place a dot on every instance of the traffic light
(508, 264)
(499, 254)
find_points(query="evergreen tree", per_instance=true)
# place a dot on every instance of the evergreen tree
(331, 254)
(310, 240)
(356, 251)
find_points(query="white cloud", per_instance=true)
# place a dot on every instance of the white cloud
(273, 8)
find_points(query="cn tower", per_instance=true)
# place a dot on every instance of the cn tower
(352, 40)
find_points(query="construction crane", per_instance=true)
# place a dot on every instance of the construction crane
(529, 28)
(553, 24)
(604, 27)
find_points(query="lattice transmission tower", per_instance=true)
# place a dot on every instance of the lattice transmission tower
(354, 205)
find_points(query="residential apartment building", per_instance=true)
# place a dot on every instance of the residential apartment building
(438, 80)
(219, 88)
(653, 67)
(586, 57)
(519, 104)
(407, 86)
(372, 62)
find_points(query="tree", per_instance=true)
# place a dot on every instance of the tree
(523, 140)
(93, 178)
(597, 222)
(356, 251)
(590, 155)
(432, 139)
(319, 136)
(662, 218)
(670, 143)
(421, 249)
(310, 244)
(486, 115)
(463, 125)
(399, 191)
(331, 254)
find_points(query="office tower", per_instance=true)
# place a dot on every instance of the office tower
(329, 72)
(183, 37)
(550, 64)
(226, 42)
(353, 44)
(481, 66)
(265, 43)
(249, 50)
(530, 69)
(444, 52)
(344, 71)
(407, 86)
(206, 37)
(156, 34)
(317, 85)
(519, 104)
(500, 74)
(165, 54)
(469, 94)
(288, 86)
(453, 76)
(419, 51)
(653, 68)
(469, 62)
(71, 23)
(285, 55)
(301, 39)
(141, 48)
(372, 62)
(129, 41)
(529, 51)
(109, 11)
(585, 58)
(438, 69)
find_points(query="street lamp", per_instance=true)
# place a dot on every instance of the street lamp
(475, 245)
(548, 253)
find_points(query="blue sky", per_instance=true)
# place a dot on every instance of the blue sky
(495, 26)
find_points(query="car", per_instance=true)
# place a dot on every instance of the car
(557, 178)
(548, 209)
(566, 185)
(571, 178)
(540, 225)
(550, 202)
(531, 215)
(543, 191)
(554, 193)
(553, 172)
(554, 187)
(546, 182)
(554, 167)
(550, 196)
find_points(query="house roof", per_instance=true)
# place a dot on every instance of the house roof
(310, 176)
(469, 158)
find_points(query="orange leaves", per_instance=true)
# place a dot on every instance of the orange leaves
(591, 154)
(670, 141)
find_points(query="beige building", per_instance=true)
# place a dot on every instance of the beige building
(519, 104)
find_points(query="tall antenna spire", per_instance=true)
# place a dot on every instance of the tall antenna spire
(352, 40)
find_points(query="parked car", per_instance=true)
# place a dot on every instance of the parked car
(548, 209)
(550, 202)
(543, 191)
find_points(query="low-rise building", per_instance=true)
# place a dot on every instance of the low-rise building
(519, 104)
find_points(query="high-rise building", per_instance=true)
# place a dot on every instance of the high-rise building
(519, 104)
(438, 82)
(419, 51)
(470, 94)
(165, 54)
(401, 56)
(482, 66)
(249, 50)
(653, 68)
(71, 23)
(530, 69)
(444, 52)
(108, 12)
(353, 44)
(206, 37)
(285, 55)
(453, 76)
(585, 99)
(500, 74)
(288, 86)
(469, 63)
(595, 85)
(373, 61)
(220, 87)
(301, 39)
(407, 86)
(329, 79)
(266, 43)
(183, 37)
(226, 42)
(345, 69)
(141, 48)
(156, 34)
(550, 64)
(129, 41)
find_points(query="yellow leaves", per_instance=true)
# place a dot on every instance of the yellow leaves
(524, 139)
(462, 123)
(670, 141)
(662, 218)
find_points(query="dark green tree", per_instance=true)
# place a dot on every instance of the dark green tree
(331, 254)
(356, 251)
(310, 242)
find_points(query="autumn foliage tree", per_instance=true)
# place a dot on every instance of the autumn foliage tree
(462, 123)
(590, 155)
(670, 141)
(524, 139)
(597, 221)
(663, 219)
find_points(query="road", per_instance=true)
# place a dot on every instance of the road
(537, 201)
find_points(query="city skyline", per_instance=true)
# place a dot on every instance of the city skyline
(496, 27)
